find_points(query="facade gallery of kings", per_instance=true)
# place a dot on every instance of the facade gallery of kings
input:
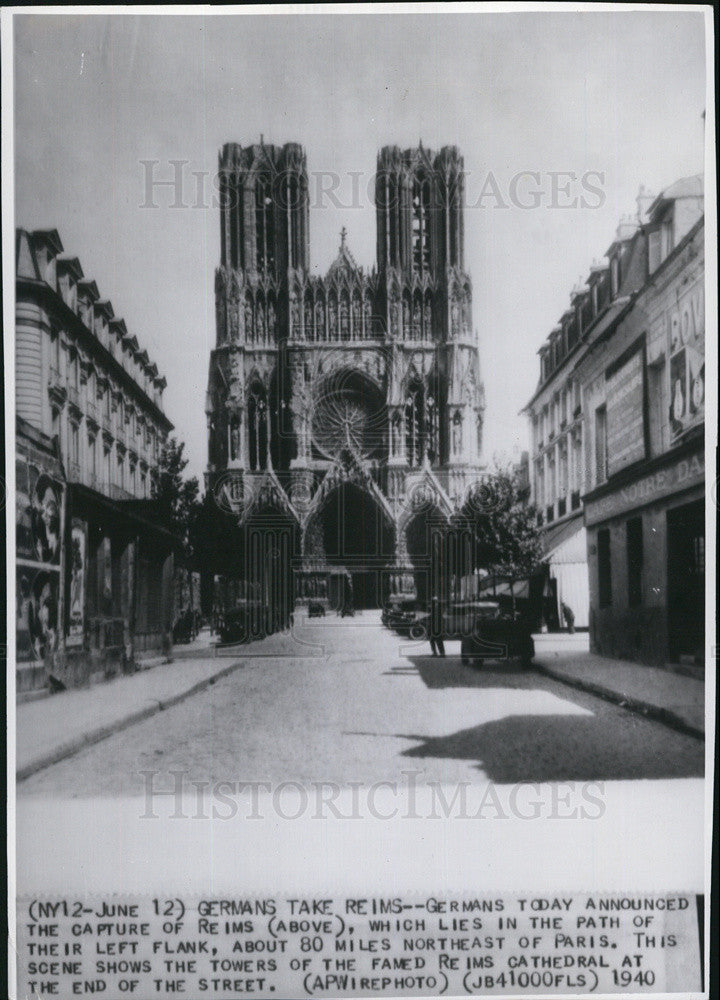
(617, 421)
(345, 411)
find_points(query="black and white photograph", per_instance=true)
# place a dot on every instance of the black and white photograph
(363, 555)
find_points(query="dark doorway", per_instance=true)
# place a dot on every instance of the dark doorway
(365, 589)
(354, 527)
(430, 555)
(270, 543)
(686, 580)
(357, 539)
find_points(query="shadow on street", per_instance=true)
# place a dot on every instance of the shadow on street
(554, 747)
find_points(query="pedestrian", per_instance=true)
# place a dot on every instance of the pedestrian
(569, 618)
(435, 628)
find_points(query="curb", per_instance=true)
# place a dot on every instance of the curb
(644, 708)
(102, 733)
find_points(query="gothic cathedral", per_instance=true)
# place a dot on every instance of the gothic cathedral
(344, 411)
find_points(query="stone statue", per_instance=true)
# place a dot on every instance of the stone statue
(235, 437)
(357, 315)
(367, 316)
(417, 321)
(454, 317)
(319, 321)
(248, 319)
(395, 318)
(457, 434)
(396, 434)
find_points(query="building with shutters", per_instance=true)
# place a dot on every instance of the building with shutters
(644, 390)
(90, 427)
(617, 425)
(345, 410)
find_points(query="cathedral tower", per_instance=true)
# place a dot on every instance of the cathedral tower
(334, 401)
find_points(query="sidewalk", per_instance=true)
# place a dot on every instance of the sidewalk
(52, 728)
(673, 699)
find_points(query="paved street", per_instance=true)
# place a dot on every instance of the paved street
(346, 700)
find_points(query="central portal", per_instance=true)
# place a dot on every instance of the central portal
(357, 543)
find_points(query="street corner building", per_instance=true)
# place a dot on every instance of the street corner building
(618, 437)
(94, 569)
(345, 411)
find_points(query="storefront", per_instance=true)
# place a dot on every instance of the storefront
(119, 580)
(39, 507)
(646, 544)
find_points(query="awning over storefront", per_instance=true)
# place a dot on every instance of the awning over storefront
(566, 559)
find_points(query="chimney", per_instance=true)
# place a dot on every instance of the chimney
(644, 200)
(626, 229)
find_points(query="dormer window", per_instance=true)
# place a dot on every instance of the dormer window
(614, 276)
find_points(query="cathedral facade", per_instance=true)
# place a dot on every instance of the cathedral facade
(345, 411)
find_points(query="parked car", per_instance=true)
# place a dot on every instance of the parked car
(503, 636)
(249, 620)
(400, 615)
(484, 630)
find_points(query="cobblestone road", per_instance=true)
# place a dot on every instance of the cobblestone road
(343, 701)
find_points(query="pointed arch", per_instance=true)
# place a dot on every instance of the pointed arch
(415, 431)
(257, 427)
(357, 315)
(260, 334)
(332, 312)
(271, 325)
(319, 315)
(309, 315)
(344, 315)
(406, 318)
(417, 315)
(249, 318)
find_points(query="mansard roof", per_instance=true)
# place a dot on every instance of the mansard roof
(686, 187)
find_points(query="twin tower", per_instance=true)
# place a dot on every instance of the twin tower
(352, 378)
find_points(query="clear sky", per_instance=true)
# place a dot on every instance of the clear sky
(618, 93)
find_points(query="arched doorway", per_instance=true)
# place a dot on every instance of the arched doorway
(357, 541)
(429, 553)
(270, 546)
